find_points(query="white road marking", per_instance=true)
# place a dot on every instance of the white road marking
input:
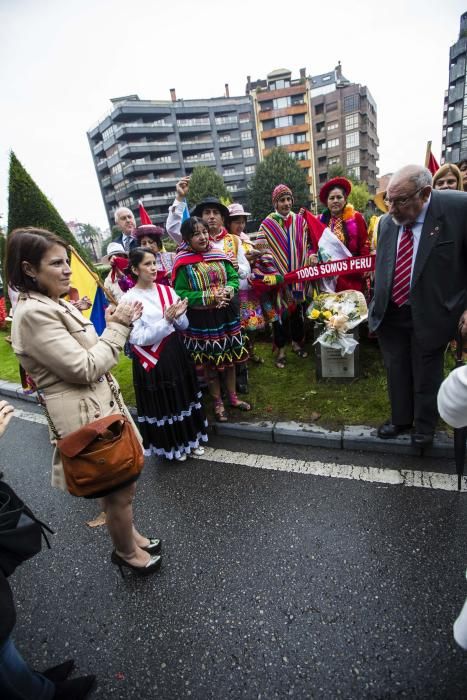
(389, 477)
(30, 416)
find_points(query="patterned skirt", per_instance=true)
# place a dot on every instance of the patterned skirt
(171, 417)
(251, 313)
(214, 337)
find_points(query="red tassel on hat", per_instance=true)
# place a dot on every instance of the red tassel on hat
(143, 215)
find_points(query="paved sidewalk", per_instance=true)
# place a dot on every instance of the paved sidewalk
(352, 437)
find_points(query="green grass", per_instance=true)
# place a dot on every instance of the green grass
(289, 394)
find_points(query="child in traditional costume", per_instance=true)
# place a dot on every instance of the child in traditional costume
(207, 278)
(171, 417)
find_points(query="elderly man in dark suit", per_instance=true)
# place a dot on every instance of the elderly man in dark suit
(420, 295)
(125, 220)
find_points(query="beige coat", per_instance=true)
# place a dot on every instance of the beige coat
(62, 352)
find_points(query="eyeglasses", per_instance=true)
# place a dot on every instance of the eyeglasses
(402, 201)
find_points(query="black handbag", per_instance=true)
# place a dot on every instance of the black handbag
(21, 532)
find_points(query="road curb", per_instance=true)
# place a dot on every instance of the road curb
(351, 437)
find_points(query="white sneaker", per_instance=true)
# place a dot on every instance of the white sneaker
(182, 458)
(198, 451)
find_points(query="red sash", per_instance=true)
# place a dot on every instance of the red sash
(148, 355)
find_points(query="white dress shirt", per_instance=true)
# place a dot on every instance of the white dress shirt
(416, 229)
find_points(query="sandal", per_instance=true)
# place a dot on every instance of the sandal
(300, 352)
(257, 359)
(236, 403)
(219, 411)
(280, 362)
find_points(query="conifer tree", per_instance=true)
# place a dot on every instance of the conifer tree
(28, 206)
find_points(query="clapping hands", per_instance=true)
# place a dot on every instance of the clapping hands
(176, 310)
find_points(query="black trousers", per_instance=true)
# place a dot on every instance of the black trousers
(293, 326)
(414, 373)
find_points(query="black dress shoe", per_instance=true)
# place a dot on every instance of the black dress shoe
(58, 674)
(154, 546)
(76, 689)
(422, 439)
(390, 430)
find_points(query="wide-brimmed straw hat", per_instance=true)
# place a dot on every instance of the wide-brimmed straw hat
(379, 200)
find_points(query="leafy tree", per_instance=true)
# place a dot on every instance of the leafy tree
(28, 206)
(359, 196)
(277, 167)
(206, 182)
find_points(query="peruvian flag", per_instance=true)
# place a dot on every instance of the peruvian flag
(143, 215)
(430, 161)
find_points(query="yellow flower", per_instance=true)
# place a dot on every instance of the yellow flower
(327, 314)
(314, 314)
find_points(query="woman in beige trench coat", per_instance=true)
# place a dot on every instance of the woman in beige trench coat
(61, 351)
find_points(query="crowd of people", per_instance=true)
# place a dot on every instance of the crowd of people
(190, 318)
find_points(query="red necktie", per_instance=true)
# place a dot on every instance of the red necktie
(403, 269)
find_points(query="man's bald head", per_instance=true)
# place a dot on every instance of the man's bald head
(408, 190)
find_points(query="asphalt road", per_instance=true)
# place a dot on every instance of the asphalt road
(274, 584)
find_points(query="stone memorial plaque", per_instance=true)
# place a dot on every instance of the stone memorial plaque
(333, 365)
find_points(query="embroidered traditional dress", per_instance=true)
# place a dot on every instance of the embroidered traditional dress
(350, 229)
(251, 311)
(171, 417)
(214, 337)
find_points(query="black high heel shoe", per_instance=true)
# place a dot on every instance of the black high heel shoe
(154, 546)
(151, 567)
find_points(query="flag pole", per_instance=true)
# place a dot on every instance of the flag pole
(96, 277)
(427, 154)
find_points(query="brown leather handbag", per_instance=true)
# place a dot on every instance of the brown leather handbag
(102, 456)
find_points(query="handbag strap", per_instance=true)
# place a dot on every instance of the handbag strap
(113, 389)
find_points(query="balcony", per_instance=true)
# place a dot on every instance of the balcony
(229, 141)
(102, 165)
(106, 182)
(236, 175)
(130, 149)
(196, 144)
(201, 158)
(142, 129)
(98, 148)
(454, 115)
(111, 197)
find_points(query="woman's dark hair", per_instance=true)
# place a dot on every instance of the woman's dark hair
(27, 245)
(188, 228)
(135, 257)
(338, 187)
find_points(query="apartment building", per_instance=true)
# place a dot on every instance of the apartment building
(454, 137)
(143, 147)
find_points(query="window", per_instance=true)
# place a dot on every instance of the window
(298, 100)
(244, 117)
(323, 178)
(334, 161)
(354, 172)
(283, 121)
(245, 135)
(229, 171)
(270, 143)
(281, 102)
(248, 152)
(352, 103)
(332, 126)
(331, 107)
(351, 121)
(352, 139)
(321, 145)
(115, 169)
(319, 109)
(201, 121)
(321, 161)
(300, 138)
(249, 169)
(298, 119)
(299, 155)
(285, 140)
(353, 157)
(107, 133)
(208, 155)
(227, 155)
(279, 84)
(232, 119)
(333, 143)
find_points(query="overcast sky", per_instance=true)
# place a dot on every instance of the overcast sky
(62, 60)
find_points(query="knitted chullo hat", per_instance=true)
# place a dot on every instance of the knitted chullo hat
(279, 191)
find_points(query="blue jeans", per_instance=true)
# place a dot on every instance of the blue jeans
(17, 680)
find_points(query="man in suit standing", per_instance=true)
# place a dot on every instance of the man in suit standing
(125, 220)
(420, 294)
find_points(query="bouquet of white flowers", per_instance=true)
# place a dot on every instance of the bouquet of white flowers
(339, 313)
